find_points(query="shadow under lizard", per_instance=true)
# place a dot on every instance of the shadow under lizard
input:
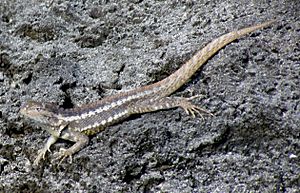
(77, 123)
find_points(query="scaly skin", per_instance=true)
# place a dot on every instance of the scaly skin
(75, 124)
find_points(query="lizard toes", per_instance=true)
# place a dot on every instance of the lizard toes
(62, 155)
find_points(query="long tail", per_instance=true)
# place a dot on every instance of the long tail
(184, 73)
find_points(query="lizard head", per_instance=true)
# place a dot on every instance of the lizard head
(43, 113)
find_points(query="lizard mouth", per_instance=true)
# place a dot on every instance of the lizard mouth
(23, 110)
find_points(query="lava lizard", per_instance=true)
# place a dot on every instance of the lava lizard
(77, 123)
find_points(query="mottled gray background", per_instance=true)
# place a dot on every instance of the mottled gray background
(76, 52)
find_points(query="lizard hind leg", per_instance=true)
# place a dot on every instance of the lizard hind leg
(167, 103)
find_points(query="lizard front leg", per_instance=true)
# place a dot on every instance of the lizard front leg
(42, 152)
(80, 140)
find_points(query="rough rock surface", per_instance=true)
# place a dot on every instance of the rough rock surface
(75, 52)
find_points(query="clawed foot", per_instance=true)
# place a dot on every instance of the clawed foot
(41, 155)
(62, 155)
(192, 109)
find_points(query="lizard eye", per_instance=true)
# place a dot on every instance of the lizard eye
(38, 109)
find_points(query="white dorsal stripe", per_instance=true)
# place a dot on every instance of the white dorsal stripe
(92, 112)
(104, 122)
